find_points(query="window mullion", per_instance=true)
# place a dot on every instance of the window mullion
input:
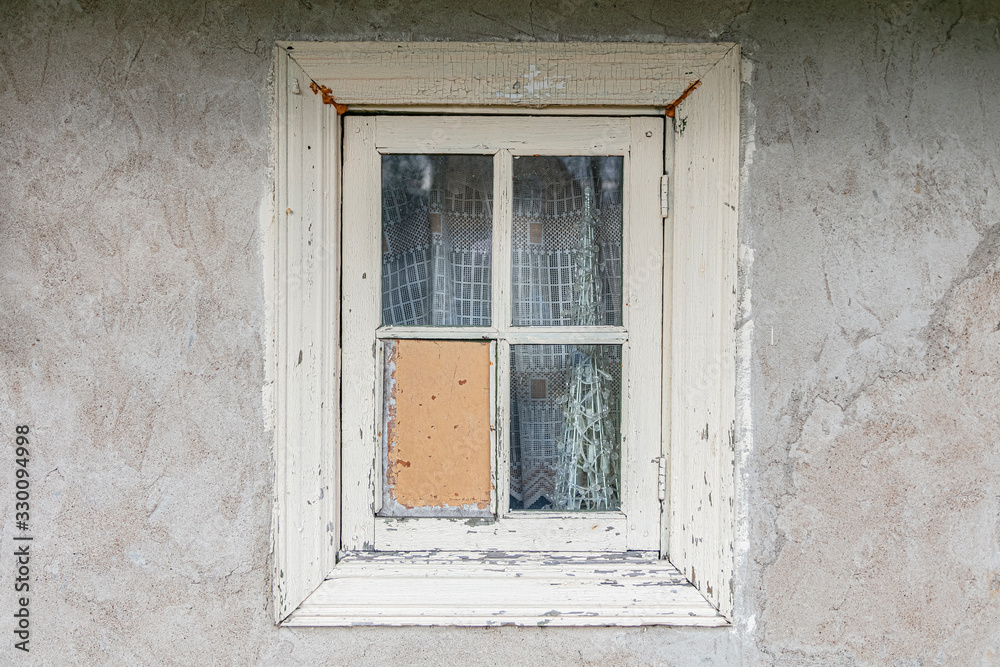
(502, 197)
(502, 439)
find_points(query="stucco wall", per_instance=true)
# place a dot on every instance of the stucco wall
(135, 148)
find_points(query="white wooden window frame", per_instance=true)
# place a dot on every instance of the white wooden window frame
(639, 141)
(315, 581)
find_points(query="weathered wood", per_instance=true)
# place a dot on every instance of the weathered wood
(597, 335)
(443, 110)
(503, 74)
(603, 335)
(606, 79)
(503, 198)
(544, 531)
(666, 411)
(362, 405)
(704, 312)
(477, 134)
(642, 284)
(304, 240)
(475, 589)
(437, 558)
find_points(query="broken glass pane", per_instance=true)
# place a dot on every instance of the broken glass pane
(565, 425)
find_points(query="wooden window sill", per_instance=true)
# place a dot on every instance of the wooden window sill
(504, 588)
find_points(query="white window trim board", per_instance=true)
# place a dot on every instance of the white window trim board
(699, 520)
(699, 330)
(505, 74)
(303, 359)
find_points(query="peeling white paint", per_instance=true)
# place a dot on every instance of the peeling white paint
(536, 86)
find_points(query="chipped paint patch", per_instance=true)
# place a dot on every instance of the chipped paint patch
(534, 85)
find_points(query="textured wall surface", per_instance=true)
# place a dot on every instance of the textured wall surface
(135, 144)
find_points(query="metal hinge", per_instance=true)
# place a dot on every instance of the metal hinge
(661, 477)
(665, 195)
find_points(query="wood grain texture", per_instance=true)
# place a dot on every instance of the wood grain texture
(640, 139)
(505, 74)
(700, 400)
(484, 589)
(303, 303)
(666, 412)
(703, 333)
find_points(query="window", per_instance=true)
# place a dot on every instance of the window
(500, 256)
(589, 445)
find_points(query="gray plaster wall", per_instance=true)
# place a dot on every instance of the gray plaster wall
(134, 141)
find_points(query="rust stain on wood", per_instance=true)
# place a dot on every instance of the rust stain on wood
(672, 107)
(438, 423)
(328, 97)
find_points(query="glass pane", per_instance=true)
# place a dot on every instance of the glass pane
(565, 422)
(437, 239)
(567, 241)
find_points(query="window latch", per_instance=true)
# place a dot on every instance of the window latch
(665, 195)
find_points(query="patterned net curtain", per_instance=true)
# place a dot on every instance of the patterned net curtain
(437, 240)
(567, 268)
